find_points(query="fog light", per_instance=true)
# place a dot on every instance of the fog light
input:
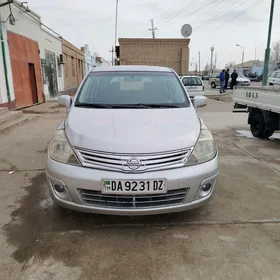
(59, 188)
(206, 187)
(205, 190)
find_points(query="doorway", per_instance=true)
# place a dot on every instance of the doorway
(33, 84)
(51, 74)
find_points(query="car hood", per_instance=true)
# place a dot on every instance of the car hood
(132, 130)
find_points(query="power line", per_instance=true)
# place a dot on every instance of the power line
(253, 6)
(182, 10)
(170, 9)
(172, 17)
(216, 8)
(218, 15)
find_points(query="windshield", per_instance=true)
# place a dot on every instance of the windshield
(192, 81)
(132, 89)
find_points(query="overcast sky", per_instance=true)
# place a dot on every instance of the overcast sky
(222, 23)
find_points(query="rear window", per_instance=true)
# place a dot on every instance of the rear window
(130, 88)
(192, 81)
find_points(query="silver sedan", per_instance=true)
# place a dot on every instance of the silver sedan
(132, 144)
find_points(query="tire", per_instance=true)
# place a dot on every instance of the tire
(213, 85)
(271, 84)
(258, 126)
(267, 134)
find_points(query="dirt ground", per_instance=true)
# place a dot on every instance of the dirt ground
(237, 236)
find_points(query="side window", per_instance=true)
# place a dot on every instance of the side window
(277, 75)
(184, 81)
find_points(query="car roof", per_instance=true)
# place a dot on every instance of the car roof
(140, 68)
(189, 76)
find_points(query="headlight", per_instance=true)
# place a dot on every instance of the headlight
(60, 150)
(204, 150)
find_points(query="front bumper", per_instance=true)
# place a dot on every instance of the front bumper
(74, 178)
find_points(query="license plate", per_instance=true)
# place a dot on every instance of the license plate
(133, 186)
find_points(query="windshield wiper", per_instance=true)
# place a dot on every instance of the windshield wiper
(156, 105)
(126, 106)
(92, 105)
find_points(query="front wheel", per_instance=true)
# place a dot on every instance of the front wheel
(271, 84)
(213, 85)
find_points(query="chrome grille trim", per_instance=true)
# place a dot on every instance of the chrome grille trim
(97, 199)
(118, 162)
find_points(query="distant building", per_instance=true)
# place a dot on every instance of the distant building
(173, 53)
(253, 66)
(100, 62)
(90, 59)
(74, 72)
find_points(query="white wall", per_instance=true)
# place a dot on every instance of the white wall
(29, 27)
(90, 61)
(3, 91)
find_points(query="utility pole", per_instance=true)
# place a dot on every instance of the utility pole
(199, 63)
(216, 55)
(112, 51)
(116, 30)
(267, 51)
(153, 29)
(211, 63)
(255, 56)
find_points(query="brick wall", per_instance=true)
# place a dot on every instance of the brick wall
(173, 53)
(74, 65)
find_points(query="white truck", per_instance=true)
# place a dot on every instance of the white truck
(263, 106)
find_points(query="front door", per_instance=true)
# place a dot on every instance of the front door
(33, 85)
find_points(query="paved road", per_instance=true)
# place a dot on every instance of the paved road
(237, 236)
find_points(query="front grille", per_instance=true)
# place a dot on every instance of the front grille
(119, 162)
(96, 198)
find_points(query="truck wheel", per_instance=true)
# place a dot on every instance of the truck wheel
(268, 133)
(271, 84)
(258, 126)
(213, 85)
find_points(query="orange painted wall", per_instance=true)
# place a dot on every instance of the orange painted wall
(23, 51)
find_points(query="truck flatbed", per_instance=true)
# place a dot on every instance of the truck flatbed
(263, 106)
(265, 98)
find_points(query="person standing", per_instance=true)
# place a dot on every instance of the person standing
(234, 77)
(226, 79)
(222, 81)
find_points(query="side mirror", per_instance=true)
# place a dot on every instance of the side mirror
(65, 100)
(199, 101)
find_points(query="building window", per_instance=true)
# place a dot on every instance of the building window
(59, 70)
(73, 66)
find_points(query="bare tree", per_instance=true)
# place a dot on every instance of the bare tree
(206, 69)
(230, 64)
(275, 53)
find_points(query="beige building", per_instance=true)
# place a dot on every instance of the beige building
(173, 53)
(73, 59)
